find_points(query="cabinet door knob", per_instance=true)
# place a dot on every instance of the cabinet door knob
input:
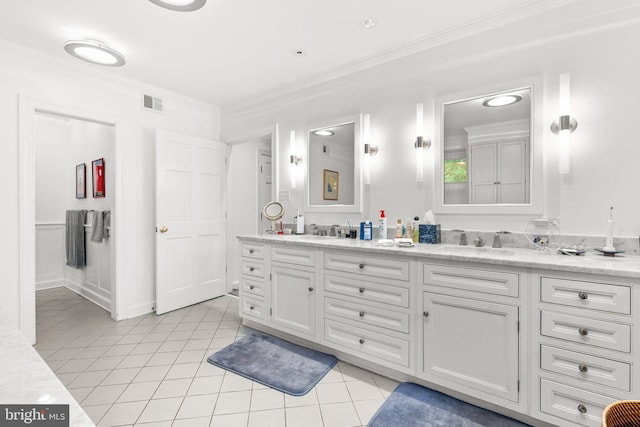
(362, 314)
(361, 290)
(583, 368)
(361, 341)
(583, 331)
(251, 307)
(251, 286)
(310, 289)
(361, 266)
(583, 295)
(425, 313)
(251, 268)
(251, 251)
(582, 409)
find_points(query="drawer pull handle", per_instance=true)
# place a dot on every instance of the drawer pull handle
(251, 286)
(310, 289)
(251, 268)
(582, 409)
(362, 314)
(251, 251)
(583, 295)
(361, 266)
(361, 290)
(583, 368)
(583, 331)
(425, 313)
(251, 307)
(361, 341)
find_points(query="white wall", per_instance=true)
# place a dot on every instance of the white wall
(593, 47)
(79, 87)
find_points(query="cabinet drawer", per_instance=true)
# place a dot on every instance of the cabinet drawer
(390, 269)
(584, 367)
(470, 279)
(572, 404)
(597, 296)
(367, 290)
(598, 333)
(367, 344)
(298, 256)
(367, 314)
(252, 286)
(251, 250)
(252, 268)
(252, 307)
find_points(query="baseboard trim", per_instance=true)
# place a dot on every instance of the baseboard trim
(89, 294)
(49, 284)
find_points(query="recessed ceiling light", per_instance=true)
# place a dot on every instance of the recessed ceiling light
(180, 5)
(323, 132)
(502, 100)
(369, 23)
(94, 52)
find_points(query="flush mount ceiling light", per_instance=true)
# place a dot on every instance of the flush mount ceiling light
(323, 132)
(94, 52)
(502, 100)
(180, 5)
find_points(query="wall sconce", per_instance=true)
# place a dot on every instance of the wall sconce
(565, 124)
(294, 159)
(370, 150)
(421, 144)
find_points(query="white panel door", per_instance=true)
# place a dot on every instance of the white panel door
(483, 173)
(190, 220)
(264, 192)
(512, 172)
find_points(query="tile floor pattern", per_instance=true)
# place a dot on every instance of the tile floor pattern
(152, 370)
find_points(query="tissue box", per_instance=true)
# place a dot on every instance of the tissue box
(429, 233)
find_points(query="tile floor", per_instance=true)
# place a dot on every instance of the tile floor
(152, 370)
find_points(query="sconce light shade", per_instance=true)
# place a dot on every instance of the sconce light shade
(294, 159)
(370, 150)
(420, 144)
(564, 125)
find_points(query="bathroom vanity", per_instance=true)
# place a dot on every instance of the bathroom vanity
(545, 338)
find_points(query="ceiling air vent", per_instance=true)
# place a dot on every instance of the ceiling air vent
(152, 103)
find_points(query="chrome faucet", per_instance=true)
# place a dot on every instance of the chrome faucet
(496, 238)
(463, 237)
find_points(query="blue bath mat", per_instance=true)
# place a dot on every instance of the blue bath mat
(411, 405)
(278, 364)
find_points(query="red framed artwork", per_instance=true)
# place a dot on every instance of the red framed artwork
(98, 178)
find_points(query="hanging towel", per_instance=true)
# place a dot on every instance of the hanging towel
(74, 238)
(106, 221)
(97, 227)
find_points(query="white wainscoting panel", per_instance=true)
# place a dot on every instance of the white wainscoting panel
(50, 255)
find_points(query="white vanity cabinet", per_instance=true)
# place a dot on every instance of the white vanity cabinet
(367, 307)
(585, 346)
(470, 329)
(252, 282)
(293, 290)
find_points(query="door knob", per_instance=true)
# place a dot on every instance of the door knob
(163, 229)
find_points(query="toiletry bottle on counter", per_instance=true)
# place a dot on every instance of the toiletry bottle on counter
(407, 233)
(382, 226)
(368, 229)
(416, 229)
(399, 229)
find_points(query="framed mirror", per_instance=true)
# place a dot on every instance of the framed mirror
(333, 182)
(489, 152)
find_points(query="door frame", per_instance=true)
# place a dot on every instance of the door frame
(27, 108)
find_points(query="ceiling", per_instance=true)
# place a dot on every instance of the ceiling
(229, 52)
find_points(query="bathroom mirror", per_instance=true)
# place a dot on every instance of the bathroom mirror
(488, 157)
(333, 180)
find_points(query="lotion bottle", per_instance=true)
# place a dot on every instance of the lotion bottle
(416, 229)
(399, 229)
(382, 226)
(408, 230)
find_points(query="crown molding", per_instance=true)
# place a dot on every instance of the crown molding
(502, 18)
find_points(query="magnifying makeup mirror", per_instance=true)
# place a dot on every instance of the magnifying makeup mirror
(273, 211)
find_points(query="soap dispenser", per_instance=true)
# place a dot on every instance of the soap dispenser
(298, 223)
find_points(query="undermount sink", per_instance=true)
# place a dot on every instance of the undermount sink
(471, 250)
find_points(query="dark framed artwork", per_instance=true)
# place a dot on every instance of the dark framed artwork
(81, 181)
(330, 185)
(98, 178)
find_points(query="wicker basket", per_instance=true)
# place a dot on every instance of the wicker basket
(625, 413)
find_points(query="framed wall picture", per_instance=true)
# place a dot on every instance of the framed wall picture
(81, 181)
(98, 178)
(330, 185)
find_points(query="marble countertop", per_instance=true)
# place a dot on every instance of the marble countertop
(27, 380)
(592, 262)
